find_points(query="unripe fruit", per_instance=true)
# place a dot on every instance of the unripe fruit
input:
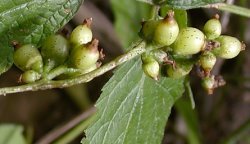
(208, 84)
(212, 28)
(82, 34)
(159, 55)
(30, 76)
(189, 41)
(28, 57)
(148, 29)
(55, 49)
(182, 68)
(84, 56)
(229, 47)
(166, 31)
(151, 67)
(207, 61)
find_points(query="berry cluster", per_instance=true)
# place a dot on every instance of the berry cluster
(79, 54)
(181, 49)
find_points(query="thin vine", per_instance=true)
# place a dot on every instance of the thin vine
(137, 49)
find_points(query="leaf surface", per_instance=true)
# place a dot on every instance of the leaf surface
(31, 21)
(11, 134)
(184, 4)
(133, 108)
(128, 16)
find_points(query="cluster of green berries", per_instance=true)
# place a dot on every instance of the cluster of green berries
(79, 53)
(185, 48)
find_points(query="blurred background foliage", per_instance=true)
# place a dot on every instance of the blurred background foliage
(223, 117)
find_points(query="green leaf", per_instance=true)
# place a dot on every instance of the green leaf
(133, 108)
(11, 134)
(189, 115)
(128, 16)
(31, 21)
(189, 4)
(184, 4)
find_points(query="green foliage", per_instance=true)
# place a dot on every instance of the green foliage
(11, 134)
(31, 21)
(183, 4)
(188, 4)
(133, 108)
(128, 15)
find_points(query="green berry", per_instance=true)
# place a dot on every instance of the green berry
(208, 84)
(28, 57)
(189, 41)
(148, 29)
(55, 49)
(182, 68)
(160, 55)
(212, 28)
(229, 47)
(84, 56)
(166, 31)
(82, 34)
(207, 60)
(151, 67)
(30, 76)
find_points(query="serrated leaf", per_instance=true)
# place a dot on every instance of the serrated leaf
(11, 134)
(128, 15)
(189, 4)
(184, 4)
(31, 21)
(133, 108)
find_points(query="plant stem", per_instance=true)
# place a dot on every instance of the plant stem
(76, 131)
(60, 131)
(231, 8)
(56, 72)
(137, 49)
(189, 92)
(235, 9)
(154, 12)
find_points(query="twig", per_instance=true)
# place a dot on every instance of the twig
(137, 49)
(231, 8)
(53, 135)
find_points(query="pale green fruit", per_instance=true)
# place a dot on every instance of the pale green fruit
(212, 28)
(55, 49)
(229, 48)
(28, 57)
(207, 60)
(189, 41)
(84, 56)
(208, 84)
(82, 34)
(30, 76)
(151, 69)
(166, 31)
